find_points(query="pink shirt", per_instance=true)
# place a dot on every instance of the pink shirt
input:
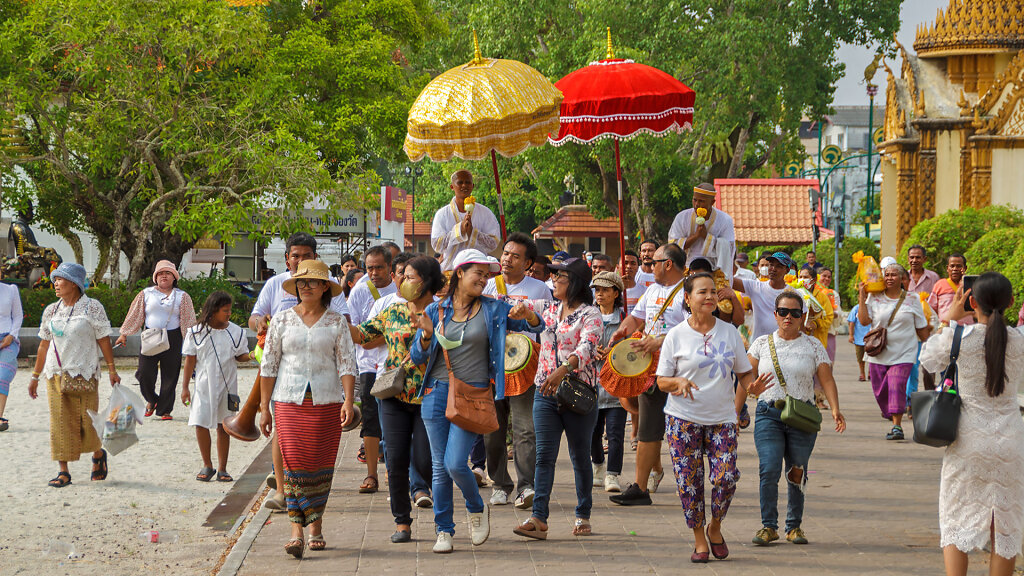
(942, 298)
(925, 284)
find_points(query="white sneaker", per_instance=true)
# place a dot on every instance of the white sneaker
(654, 480)
(443, 544)
(481, 477)
(499, 497)
(599, 472)
(525, 499)
(611, 483)
(480, 526)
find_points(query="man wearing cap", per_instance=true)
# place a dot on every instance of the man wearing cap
(705, 231)
(660, 308)
(743, 267)
(463, 223)
(762, 294)
(514, 286)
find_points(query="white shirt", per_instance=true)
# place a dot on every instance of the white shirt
(745, 273)
(11, 313)
(274, 299)
(73, 332)
(315, 356)
(633, 295)
(360, 302)
(901, 336)
(162, 311)
(718, 245)
(650, 304)
(762, 300)
(644, 279)
(216, 371)
(799, 359)
(446, 236)
(528, 288)
(709, 361)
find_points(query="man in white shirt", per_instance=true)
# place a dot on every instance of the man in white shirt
(660, 308)
(634, 290)
(743, 267)
(712, 235)
(458, 226)
(271, 300)
(371, 355)
(645, 276)
(762, 294)
(514, 285)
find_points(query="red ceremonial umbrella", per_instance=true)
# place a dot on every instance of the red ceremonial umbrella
(615, 98)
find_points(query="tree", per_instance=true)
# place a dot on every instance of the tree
(161, 122)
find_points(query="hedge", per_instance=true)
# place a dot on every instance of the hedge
(116, 303)
(956, 231)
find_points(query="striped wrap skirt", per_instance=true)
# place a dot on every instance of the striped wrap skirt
(309, 437)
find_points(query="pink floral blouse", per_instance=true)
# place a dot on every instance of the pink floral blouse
(578, 334)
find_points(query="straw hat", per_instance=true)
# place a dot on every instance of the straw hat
(312, 270)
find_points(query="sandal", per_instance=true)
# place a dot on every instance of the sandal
(295, 547)
(4, 424)
(149, 410)
(361, 456)
(224, 477)
(206, 474)
(531, 529)
(316, 543)
(59, 481)
(582, 527)
(369, 485)
(101, 472)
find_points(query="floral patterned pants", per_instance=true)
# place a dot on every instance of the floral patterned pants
(688, 444)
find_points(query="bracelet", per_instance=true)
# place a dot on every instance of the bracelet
(35, 374)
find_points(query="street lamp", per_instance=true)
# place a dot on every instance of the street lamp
(872, 90)
(415, 173)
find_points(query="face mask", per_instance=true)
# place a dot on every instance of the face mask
(446, 343)
(410, 290)
(764, 270)
(807, 283)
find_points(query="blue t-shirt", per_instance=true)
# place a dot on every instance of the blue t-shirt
(859, 330)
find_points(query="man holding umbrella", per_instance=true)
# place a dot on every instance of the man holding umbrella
(463, 223)
(703, 231)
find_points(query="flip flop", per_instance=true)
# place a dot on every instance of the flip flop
(529, 529)
(224, 477)
(369, 486)
(206, 474)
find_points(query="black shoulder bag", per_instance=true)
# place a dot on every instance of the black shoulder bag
(937, 412)
(573, 394)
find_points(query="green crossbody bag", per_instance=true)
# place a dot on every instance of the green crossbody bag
(795, 412)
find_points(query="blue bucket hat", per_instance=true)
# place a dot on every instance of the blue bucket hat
(71, 272)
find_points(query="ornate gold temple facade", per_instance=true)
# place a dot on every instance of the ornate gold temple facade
(954, 120)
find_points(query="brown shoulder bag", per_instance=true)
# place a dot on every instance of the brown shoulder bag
(469, 407)
(876, 339)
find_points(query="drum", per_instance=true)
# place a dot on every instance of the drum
(627, 372)
(521, 356)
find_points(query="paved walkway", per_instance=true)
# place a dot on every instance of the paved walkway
(872, 508)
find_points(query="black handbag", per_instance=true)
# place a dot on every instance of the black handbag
(575, 395)
(937, 412)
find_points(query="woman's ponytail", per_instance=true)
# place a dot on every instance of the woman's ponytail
(994, 293)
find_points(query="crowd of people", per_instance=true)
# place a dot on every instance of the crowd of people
(455, 363)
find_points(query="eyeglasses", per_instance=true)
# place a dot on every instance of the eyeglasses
(793, 312)
(303, 283)
(659, 260)
(559, 277)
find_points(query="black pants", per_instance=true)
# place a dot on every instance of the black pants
(370, 406)
(169, 364)
(407, 442)
(614, 420)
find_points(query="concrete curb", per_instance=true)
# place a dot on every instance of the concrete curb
(241, 548)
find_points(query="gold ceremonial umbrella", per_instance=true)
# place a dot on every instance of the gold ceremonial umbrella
(487, 106)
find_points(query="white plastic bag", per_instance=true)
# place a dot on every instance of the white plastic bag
(116, 424)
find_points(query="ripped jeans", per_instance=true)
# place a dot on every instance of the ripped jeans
(776, 444)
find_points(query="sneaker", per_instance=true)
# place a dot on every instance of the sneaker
(499, 497)
(611, 483)
(895, 434)
(480, 526)
(633, 496)
(481, 477)
(525, 499)
(423, 500)
(796, 536)
(275, 502)
(443, 544)
(599, 473)
(655, 480)
(765, 536)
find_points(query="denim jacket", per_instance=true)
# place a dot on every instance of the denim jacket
(498, 324)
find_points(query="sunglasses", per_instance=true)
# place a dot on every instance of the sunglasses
(659, 260)
(793, 312)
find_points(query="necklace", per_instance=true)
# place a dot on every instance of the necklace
(60, 333)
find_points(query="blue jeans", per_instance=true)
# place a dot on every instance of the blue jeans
(912, 381)
(449, 455)
(775, 443)
(548, 425)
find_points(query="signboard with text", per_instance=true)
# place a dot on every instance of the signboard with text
(394, 204)
(327, 222)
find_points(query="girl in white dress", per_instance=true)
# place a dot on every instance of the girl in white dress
(211, 349)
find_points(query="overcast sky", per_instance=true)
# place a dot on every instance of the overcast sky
(851, 90)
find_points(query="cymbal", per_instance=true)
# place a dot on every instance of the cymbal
(628, 362)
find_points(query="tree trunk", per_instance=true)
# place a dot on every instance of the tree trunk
(103, 247)
(75, 242)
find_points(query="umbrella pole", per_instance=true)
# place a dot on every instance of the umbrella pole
(622, 227)
(497, 187)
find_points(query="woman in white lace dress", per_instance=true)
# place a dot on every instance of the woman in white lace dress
(981, 497)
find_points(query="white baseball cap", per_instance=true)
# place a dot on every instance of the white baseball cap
(474, 256)
(886, 262)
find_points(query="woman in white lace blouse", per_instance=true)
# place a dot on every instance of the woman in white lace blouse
(309, 373)
(981, 496)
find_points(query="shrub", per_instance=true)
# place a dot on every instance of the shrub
(994, 250)
(1014, 271)
(957, 231)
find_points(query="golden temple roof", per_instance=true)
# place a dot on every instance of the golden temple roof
(973, 27)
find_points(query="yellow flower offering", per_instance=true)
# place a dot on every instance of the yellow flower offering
(702, 214)
(470, 204)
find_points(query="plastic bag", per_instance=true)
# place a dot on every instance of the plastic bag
(868, 272)
(115, 425)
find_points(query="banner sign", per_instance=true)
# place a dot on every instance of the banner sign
(394, 204)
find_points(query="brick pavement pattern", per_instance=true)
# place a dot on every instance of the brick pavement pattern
(872, 508)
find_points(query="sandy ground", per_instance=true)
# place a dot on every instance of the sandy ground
(151, 486)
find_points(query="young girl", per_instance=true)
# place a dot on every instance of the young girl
(210, 350)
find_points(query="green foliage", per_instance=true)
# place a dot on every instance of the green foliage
(202, 286)
(1014, 271)
(994, 250)
(956, 231)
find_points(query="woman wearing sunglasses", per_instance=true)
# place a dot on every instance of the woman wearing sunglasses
(792, 358)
